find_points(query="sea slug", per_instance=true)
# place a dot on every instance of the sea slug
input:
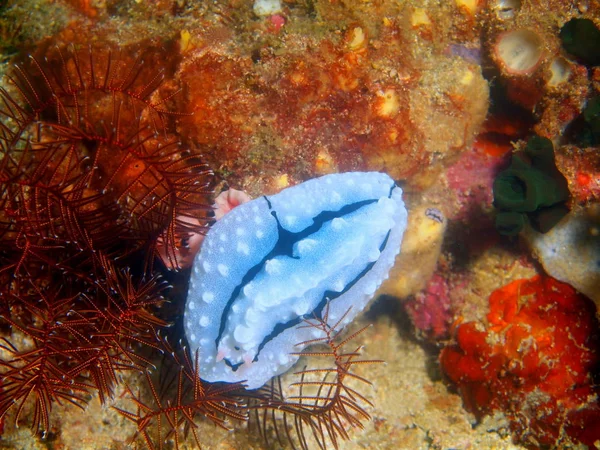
(271, 263)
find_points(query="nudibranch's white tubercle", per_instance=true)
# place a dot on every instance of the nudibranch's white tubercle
(272, 262)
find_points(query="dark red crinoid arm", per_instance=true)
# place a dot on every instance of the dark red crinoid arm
(91, 157)
(327, 401)
(92, 181)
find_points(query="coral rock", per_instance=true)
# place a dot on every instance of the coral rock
(524, 42)
(318, 104)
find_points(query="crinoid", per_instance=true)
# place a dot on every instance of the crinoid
(326, 404)
(38, 372)
(92, 181)
(177, 399)
(90, 157)
(74, 342)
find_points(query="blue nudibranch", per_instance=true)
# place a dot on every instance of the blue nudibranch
(277, 260)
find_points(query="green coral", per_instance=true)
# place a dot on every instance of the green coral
(530, 190)
(581, 38)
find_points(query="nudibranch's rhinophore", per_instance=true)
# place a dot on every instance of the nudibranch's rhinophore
(277, 260)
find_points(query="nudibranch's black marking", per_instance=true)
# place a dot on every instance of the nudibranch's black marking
(328, 296)
(284, 247)
(234, 367)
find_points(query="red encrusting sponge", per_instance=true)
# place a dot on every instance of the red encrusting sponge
(535, 360)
